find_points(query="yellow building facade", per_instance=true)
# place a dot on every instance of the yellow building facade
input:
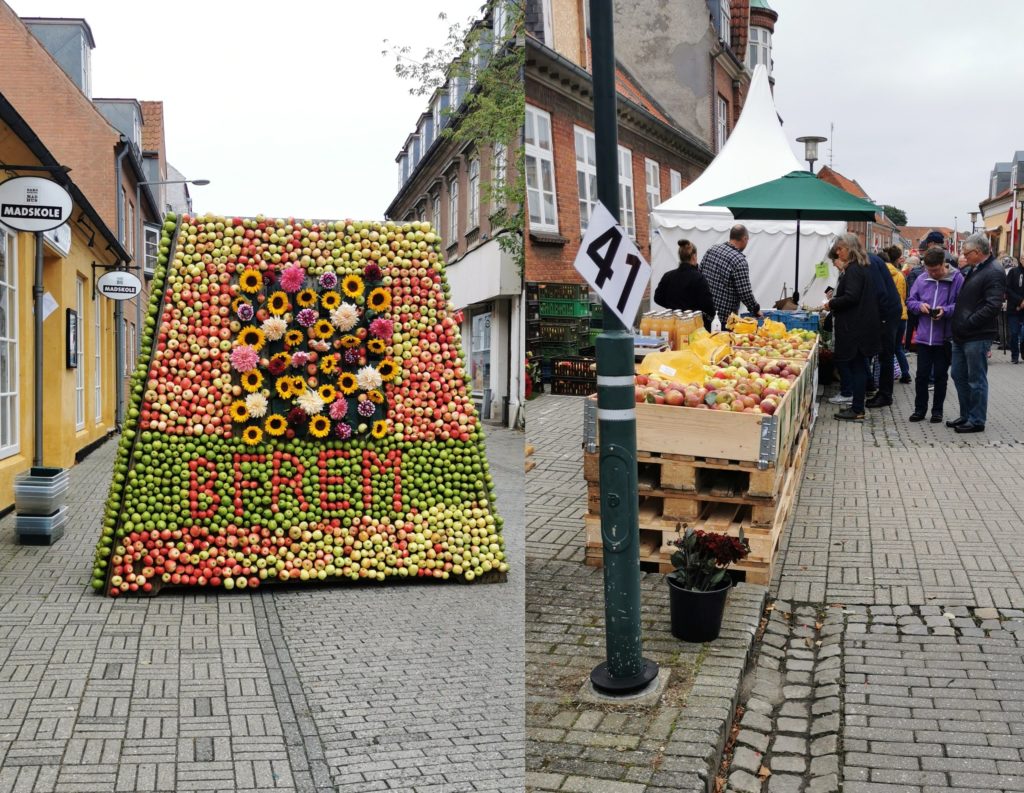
(78, 402)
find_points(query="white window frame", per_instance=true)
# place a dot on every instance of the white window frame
(721, 121)
(473, 195)
(453, 209)
(435, 215)
(627, 204)
(80, 355)
(499, 172)
(675, 182)
(129, 228)
(725, 21)
(499, 22)
(546, 17)
(10, 398)
(97, 357)
(586, 173)
(537, 156)
(151, 247)
(759, 48)
(652, 174)
(435, 109)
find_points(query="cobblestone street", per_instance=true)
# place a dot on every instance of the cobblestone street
(341, 688)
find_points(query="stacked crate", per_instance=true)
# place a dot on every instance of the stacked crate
(716, 471)
(558, 330)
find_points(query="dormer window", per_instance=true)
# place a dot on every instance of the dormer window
(725, 22)
(759, 49)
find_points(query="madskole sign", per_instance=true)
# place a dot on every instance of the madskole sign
(31, 203)
(119, 285)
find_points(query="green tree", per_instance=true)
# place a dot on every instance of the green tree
(895, 214)
(493, 112)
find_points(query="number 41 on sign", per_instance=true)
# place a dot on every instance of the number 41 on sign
(612, 264)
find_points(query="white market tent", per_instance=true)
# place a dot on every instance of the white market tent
(756, 152)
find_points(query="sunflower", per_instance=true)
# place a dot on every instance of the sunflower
(380, 429)
(277, 304)
(347, 383)
(376, 346)
(328, 364)
(306, 298)
(352, 285)
(323, 329)
(239, 411)
(250, 280)
(327, 393)
(237, 302)
(376, 397)
(252, 336)
(294, 338)
(330, 300)
(388, 369)
(319, 426)
(252, 435)
(284, 387)
(349, 341)
(379, 299)
(275, 424)
(252, 380)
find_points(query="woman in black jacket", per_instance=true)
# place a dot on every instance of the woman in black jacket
(685, 289)
(856, 317)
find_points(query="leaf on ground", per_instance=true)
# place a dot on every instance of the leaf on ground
(764, 772)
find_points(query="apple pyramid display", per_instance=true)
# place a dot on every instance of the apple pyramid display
(300, 411)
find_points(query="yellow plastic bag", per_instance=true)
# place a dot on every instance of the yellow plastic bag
(680, 366)
(745, 325)
(709, 348)
(772, 329)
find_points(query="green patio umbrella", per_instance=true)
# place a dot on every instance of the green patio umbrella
(798, 195)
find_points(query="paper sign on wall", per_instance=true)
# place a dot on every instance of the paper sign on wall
(821, 270)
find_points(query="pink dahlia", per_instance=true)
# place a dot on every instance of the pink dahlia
(382, 328)
(338, 408)
(343, 430)
(328, 280)
(300, 359)
(306, 317)
(293, 278)
(365, 408)
(244, 358)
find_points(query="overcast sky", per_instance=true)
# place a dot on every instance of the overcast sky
(287, 108)
(925, 95)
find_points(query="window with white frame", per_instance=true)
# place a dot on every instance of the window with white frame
(435, 109)
(546, 16)
(759, 48)
(499, 22)
(97, 357)
(540, 171)
(725, 21)
(152, 249)
(627, 210)
(721, 122)
(473, 195)
(586, 174)
(79, 355)
(129, 229)
(675, 181)
(129, 348)
(499, 170)
(652, 172)
(9, 400)
(435, 212)
(453, 210)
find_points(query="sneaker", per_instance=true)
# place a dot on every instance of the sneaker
(839, 399)
(847, 414)
(936, 418)
(878, 402)
(917, 416)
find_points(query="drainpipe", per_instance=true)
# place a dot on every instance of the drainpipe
(118, 304)
(37, 294)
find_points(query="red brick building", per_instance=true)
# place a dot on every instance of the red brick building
(873, 234)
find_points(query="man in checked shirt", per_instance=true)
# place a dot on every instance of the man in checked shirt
(726, 270)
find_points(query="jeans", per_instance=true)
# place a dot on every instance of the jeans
(845, 384)
(857, 376)
(932, 362)
(1015, 325)
(885, 357)
(901, 354)
(970, 376)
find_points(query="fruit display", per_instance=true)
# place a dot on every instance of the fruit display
(746, 384)
(796, 344)
(300, 411)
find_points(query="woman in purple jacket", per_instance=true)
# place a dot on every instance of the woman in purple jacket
(932, 299)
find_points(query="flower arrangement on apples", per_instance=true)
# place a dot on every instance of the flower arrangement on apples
(747, 384)
(300, 412)
(796, 344)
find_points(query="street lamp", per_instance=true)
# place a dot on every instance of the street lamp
(974, 220)
(811, 149)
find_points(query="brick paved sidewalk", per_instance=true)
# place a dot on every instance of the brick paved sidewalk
(572, 746)
(410, 688)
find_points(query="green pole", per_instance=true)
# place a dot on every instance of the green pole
(625, 670)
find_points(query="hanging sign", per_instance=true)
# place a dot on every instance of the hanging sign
(119, 285)
(32, 203)
(612, 264)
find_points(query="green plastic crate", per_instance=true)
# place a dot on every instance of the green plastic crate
(565, 308)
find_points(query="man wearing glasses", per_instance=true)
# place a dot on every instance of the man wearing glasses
(974, 329)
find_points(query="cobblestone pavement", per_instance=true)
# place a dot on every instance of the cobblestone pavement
(410, 688)
(893, 657)
(673, 745)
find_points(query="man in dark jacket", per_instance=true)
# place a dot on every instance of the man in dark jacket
(890, 309)
(974, 329)
(1015, 308)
